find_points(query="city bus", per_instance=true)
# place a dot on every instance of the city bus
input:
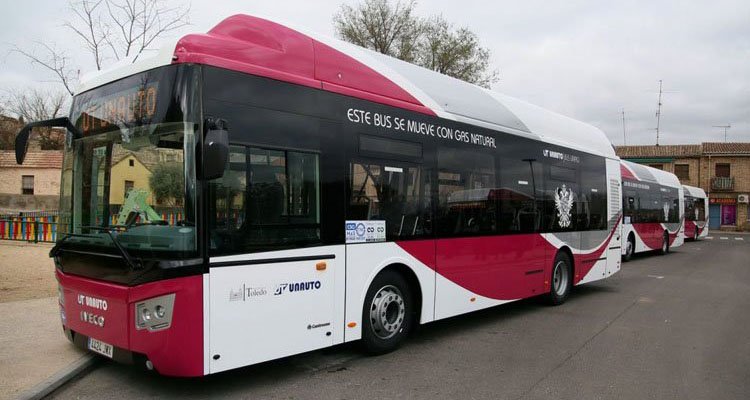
(259, 191)
(696, 212)
(652, 210)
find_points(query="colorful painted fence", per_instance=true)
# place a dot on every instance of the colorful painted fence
(42, 228)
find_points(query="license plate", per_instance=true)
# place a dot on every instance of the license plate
(100, 347)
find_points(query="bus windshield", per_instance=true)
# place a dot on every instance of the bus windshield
(129, 182)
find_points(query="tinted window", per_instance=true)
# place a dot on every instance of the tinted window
(520, 178)
(466, 186)
(395, 193)
(267, 199)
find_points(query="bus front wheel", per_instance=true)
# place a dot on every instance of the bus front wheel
(387, 315)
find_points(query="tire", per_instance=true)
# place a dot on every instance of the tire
(561, 281)
(664, 244)
(387, 314)
(697, 234)
(629, 249)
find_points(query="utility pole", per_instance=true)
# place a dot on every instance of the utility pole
(624, 140)
(658, 114)
(727, 126)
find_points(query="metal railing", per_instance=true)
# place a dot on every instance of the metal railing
(722, 183)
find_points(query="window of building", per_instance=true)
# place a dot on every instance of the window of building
(682, 171)
(131, 162)
(657, 166)
(27, 184)
(723, 170)
(128, 186)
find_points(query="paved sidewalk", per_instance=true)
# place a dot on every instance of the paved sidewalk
(32, 345)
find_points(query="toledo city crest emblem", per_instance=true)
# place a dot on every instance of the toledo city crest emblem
(563, 205)
(666, 211)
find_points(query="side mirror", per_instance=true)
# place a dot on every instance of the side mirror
(22, 144)
(22, 139)
(215, 148)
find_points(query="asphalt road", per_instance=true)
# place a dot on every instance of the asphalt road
(665, 327)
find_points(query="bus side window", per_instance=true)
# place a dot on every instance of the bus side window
(392, 192)
(466, 192)
(267, 199)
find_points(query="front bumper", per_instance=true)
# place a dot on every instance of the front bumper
(175, 351)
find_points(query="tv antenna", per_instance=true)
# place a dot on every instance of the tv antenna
(727, 126)
(624, 141)
(658, 114)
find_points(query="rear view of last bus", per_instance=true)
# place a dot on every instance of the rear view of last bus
(696, 212)
(652, 203)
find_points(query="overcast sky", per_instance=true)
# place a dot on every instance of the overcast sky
(584, 59)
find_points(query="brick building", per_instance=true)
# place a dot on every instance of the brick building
(33, 186)
(721, 169)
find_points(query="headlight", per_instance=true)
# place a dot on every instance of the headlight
(154, 314)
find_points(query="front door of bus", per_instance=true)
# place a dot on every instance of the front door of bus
(272, 285)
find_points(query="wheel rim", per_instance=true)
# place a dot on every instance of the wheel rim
(387, 312)
(560, 278)
(664, 245)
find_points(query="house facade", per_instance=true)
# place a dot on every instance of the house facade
(33, 186)
(722, 170)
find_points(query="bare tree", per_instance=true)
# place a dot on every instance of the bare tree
(377, 25)
(35, 105)
(456, 52)
(394, 29)
(110, 30)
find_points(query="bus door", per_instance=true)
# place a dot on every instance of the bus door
(272, 285)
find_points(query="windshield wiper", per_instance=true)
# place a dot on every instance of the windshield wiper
(134, 264)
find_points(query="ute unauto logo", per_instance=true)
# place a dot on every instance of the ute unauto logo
(296, 287)
(93, 302)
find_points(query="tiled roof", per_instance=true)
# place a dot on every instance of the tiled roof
(34, 159)
(679, 150)
(726, 148)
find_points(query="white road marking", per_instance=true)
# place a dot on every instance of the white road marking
(709, 237)
(724, 238)
(739, 238)
(656, 276)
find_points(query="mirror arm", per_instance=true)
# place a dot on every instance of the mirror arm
(23, 134)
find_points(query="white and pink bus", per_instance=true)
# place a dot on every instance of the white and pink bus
(696, 212)
(259, 191)
(652, 210)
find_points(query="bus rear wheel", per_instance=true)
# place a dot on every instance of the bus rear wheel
(665, 244)
(562, 279)
(387, 315)
(696, 235)
(629, 248)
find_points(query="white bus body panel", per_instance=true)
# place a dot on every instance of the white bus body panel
(269, 308)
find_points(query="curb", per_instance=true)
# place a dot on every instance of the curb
(60, 378)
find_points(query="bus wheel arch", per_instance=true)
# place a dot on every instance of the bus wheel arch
(394, 289)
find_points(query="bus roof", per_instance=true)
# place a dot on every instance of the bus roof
(644, 173)
(265, 48)
(694, 191)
